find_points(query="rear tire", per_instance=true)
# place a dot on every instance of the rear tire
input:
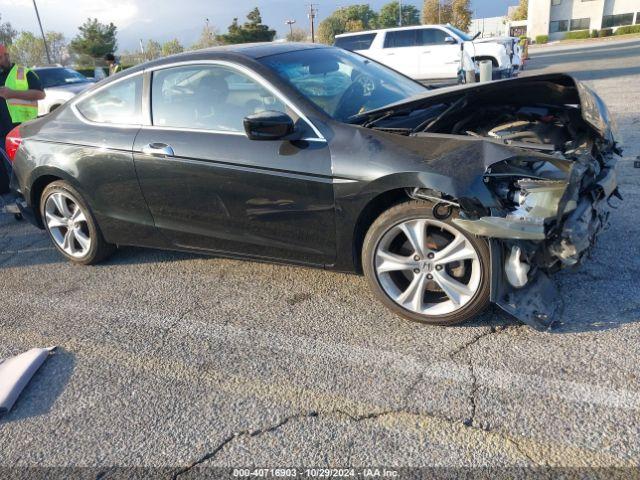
(72, 226)
(426, 269)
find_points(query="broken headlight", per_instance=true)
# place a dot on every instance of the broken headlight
(534, 200)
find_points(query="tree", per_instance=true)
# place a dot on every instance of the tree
(208, 38)
(521, 12)
(58, 47)
(7, 33)
(152, 50)
(252, 31)
(436, 12)
(461, 14)
(347, 19)
(388, 15)
(359, 13)
(297, 35)
(95, 39)
(329, 28)
(172, 47)
(27, 49)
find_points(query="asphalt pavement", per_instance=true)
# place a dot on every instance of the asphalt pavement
(176, 361)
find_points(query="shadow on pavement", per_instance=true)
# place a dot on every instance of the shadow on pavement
(44, 388)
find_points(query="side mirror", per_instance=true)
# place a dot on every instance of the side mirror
(268, 125)
(450, 40)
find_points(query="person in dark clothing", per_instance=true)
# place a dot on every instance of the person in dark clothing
(114, 66)
(20, 90)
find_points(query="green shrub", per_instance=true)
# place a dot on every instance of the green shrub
(542, 38)
(594, 33)
(628, 29)
(577, 35)
(606, 32)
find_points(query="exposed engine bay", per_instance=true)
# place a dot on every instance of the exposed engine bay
(549, 194)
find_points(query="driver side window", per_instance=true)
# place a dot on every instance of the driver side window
(208, 97)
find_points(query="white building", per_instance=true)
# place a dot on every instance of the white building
(557, 17)
(489, 27)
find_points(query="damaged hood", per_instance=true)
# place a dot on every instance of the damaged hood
(561, 89)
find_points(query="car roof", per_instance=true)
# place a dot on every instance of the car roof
(395, 29)
(240, 53)
(245, 51)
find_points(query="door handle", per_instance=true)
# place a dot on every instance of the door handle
(158, 150)
(390, 54)
(426, 51)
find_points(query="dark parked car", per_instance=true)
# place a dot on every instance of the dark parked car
(313, 155)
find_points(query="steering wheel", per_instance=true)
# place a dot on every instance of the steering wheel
(354, 97)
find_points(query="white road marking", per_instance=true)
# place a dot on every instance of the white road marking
(26, 250)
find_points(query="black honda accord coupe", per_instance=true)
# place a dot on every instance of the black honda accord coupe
(446, 200)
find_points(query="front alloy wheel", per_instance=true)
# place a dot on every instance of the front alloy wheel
(426, 269)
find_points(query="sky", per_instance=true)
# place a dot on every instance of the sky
(163, 20)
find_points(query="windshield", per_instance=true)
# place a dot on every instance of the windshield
(341, 83)
(465, 37)
(55, 77)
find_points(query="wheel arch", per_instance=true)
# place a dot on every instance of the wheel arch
(40, 179)
(373, 209)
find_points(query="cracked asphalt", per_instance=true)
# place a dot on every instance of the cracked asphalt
(180, 362)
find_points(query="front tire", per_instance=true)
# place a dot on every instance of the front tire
(426, 269)
(72, 226)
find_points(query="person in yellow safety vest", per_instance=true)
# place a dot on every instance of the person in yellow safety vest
(114, 67)
(20, 90)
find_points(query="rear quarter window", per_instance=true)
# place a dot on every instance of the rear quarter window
(120, 103)
(356, 42)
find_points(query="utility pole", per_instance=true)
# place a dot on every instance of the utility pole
(290, 23)
(312, 15)
(399, 13)
(44, 39)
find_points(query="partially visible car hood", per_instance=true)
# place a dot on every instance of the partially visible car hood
(501, 40)
(561, 88)
(73, 88)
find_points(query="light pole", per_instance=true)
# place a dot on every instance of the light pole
(312, 16)
(399, 13)
(290, 23)
(46, 47)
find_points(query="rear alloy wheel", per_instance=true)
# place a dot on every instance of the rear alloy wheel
(426, 269)
(71, 225)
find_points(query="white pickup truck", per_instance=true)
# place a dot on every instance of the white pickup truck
(426, 52)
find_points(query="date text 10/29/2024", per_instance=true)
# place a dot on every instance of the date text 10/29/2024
(315, 473)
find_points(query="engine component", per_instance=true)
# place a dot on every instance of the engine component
(515, 269)
(442, 210)
(536, 200)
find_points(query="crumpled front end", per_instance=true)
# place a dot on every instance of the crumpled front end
(551, 212)
(537, 183)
